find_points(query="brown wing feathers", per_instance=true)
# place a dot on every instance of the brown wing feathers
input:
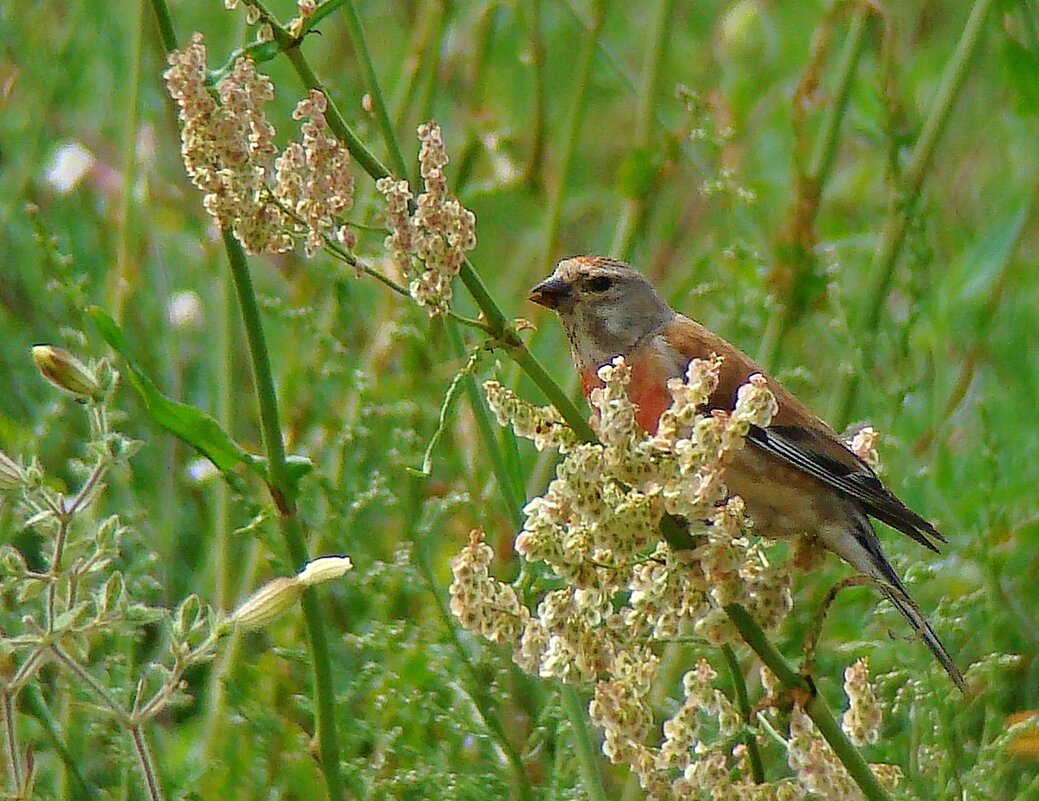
(801, 439)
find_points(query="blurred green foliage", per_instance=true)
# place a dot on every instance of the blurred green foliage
(952, 383)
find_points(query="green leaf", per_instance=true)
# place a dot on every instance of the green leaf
(193, 426)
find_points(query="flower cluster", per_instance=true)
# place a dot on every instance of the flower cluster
(817, 767)
(227, 144)
(436, 232)
(861, 721)
(311, 175)
(541, 424)
(596, 527)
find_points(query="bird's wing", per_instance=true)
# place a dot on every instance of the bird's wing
(796, 435)
(853, 478)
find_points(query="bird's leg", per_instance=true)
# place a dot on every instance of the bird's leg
(816, 627)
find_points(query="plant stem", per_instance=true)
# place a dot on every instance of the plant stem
(14, 758)
(895, 230)
(572, 130)
(166, 30)
(587, 761)
(120, 287)
(796, 261)
(739, 687)
(533, 174)
(634, 208)
(283, 492)
(814, 706)
(476, 686)
(147, 764)
(361, 154)
(513, 503)
(33, 704)
(382, 117)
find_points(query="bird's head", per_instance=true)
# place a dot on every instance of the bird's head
(606, 307)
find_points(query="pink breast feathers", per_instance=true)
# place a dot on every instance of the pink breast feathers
(647, 390)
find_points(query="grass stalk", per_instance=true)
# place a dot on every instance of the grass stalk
(572, 132)
(382, 117)
(587, 761)
(739, 686)
(634, 208)
(903, 208)
(796, 258)
(123, 277)
(283, 492)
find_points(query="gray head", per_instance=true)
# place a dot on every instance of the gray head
(606, 307)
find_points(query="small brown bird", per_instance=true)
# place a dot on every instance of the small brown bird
(796, 476)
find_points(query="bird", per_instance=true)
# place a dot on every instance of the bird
(796, 476)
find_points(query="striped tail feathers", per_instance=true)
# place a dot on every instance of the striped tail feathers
(861, 548)
(907, 606)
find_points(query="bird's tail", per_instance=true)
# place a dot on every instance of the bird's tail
(897, 594)
(863, 551)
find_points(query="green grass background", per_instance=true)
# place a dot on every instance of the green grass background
(952, 377)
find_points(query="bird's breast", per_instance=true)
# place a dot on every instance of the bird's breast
(651, 364)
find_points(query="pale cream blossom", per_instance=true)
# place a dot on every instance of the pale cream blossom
(596, 527)
(861, 721)
(428, 241)
(269, 200)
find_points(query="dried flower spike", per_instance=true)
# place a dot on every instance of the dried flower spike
(437, 233)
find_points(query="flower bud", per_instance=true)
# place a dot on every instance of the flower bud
(11, 475)
(267, 603)
(275, 597)
(65, 371)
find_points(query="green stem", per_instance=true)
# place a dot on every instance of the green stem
(897, 226)
(739, 687)
(122, 279)
(147, 764)
(815, 706)
(14, 755)
(572, 130)
(513, 503)
(533, 175)
(553, 393)
(475, 685)
(809, 187)
(358, 151)
(283, 492)
(634, 208)
(33, 703)
(826, 144)
(587, 760)
(166, 30)
(382, 117)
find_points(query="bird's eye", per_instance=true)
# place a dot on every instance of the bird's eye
(600, 283)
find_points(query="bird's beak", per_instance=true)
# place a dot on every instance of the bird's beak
(550, 292)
